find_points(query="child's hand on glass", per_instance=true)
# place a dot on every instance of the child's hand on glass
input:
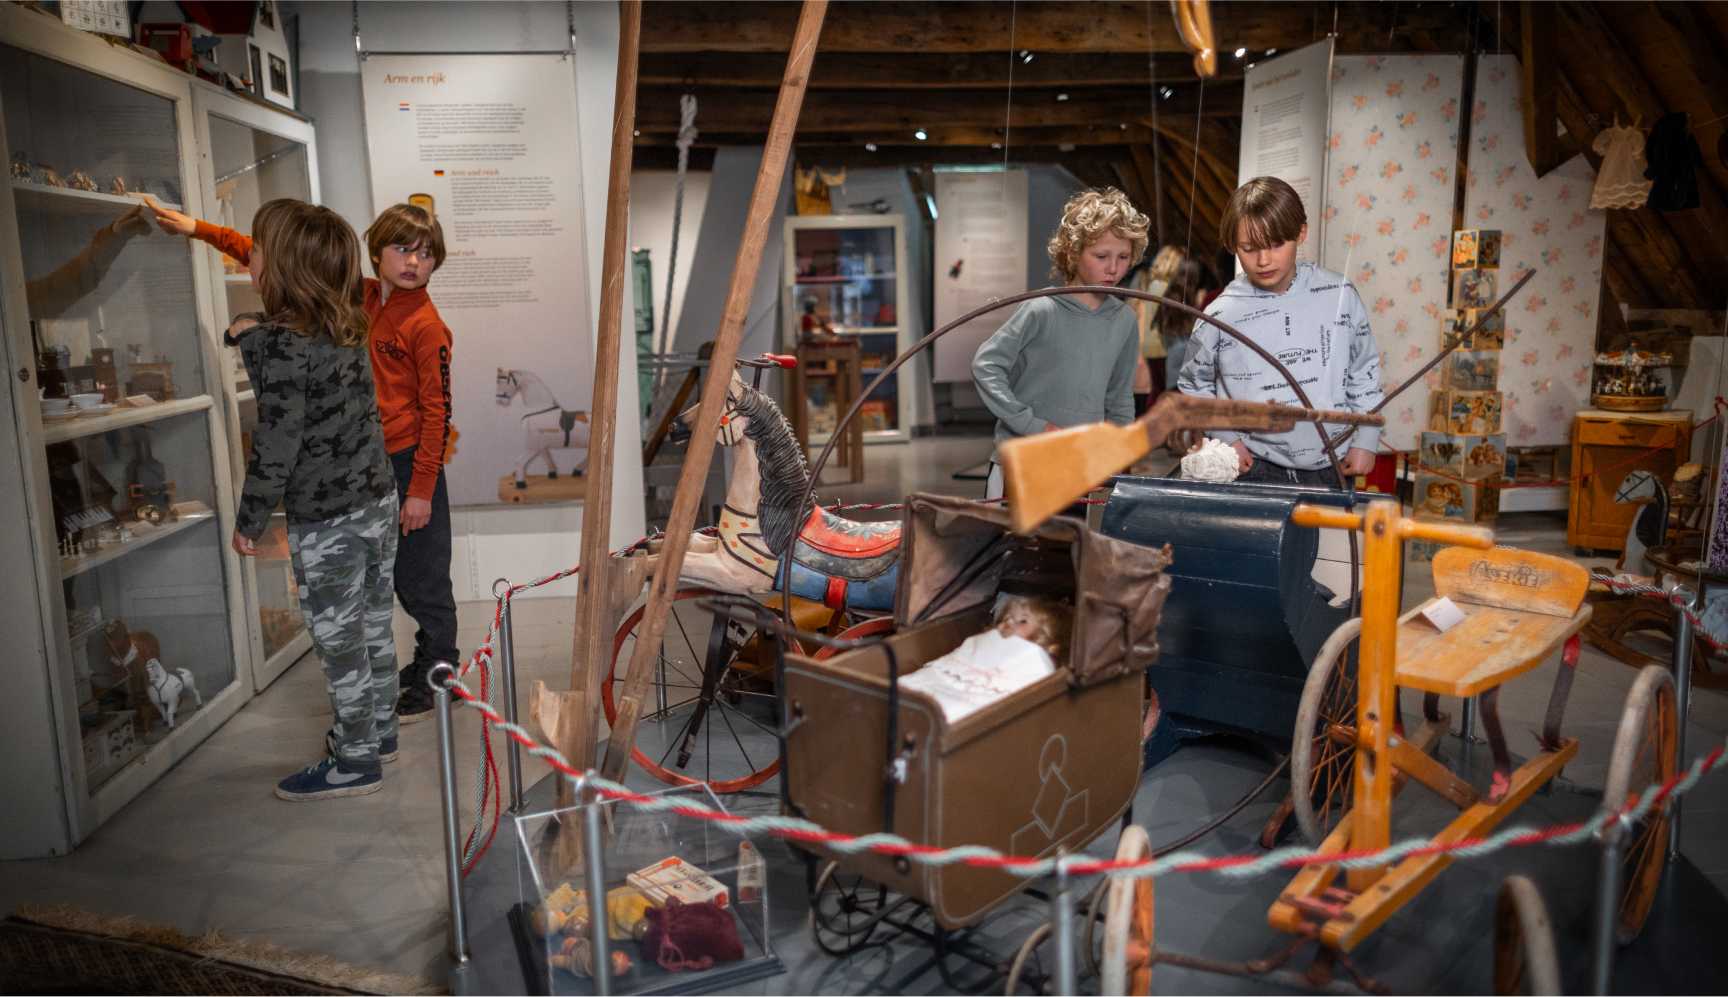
(416, 512)
(172, 222)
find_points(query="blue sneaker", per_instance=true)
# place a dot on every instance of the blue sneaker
(327, 780)
(387, 750)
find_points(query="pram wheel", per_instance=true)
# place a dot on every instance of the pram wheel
(1323, 752)
(1524, 959)
(710, 719)
(1644, 750)
(845, 910)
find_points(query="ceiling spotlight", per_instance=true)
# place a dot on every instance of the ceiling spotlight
(1025, 56)
(1061, 96)
(869, 147)
(1166, 92)
(1066, 147)
(995, 145)
(1122, 126)
(636, 133)
(920, 135)
(1271, 51)
(1241, 52)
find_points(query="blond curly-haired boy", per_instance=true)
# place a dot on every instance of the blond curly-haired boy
(1068, 359)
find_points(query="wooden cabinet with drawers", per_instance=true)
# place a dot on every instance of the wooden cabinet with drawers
(1605, 439)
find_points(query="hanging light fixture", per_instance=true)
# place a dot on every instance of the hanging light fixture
(920, 135)
(869, 147)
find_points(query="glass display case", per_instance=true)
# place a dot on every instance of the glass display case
(843, 280)
(124, 599)
(255, 154)
(686, 903)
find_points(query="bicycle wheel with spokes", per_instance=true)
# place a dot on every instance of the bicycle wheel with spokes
(1323, 752)
(705, 719)
(1644, 750)
(845, 910)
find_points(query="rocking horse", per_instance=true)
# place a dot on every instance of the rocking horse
(545, 427)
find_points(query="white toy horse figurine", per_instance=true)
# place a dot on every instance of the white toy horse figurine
(1650, 526)
(835, 561)
(546, 427)
(166, 689)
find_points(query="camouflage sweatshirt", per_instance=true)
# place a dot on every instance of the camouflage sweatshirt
(318, 449)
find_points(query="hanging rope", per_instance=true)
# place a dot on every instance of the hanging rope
(686, 138)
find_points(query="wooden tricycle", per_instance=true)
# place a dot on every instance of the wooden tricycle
(1353, 756)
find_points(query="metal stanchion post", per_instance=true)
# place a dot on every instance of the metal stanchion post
(595, 868)
(507, 676)
(440, 677)
(1688, 601)
(1603, 941)
(1062, 914)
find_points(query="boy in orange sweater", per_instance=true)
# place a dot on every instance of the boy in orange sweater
(410, 352)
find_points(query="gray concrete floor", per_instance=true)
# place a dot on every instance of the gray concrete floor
(359, 879)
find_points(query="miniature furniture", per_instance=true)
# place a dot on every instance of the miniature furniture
(1234, 545)
(845, 383)
(1604, 439)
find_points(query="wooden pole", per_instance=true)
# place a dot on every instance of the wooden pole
(707, 423)
(593, 637)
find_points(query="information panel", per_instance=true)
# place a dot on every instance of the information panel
(490, 142)
(1285, 101)
(980, 256)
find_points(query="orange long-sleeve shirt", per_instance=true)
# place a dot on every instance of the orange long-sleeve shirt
(410, 365)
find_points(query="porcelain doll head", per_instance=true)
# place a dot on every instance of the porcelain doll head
(1043, 623)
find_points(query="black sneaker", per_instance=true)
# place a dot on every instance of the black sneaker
(413, 705)
(328, 779)
(387, 747)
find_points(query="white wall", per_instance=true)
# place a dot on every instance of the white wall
(651, 195)
(541, 541)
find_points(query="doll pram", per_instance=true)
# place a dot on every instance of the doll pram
(1051, 766)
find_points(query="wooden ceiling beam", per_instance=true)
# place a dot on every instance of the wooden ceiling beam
(926, 70)
(1538, 67)
(1128, 181)
(1052, 135)
(907, 110)
(1690, 42)
(1034, 25)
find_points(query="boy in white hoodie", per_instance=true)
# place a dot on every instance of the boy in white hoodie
(1068, 360)
(1311, 319)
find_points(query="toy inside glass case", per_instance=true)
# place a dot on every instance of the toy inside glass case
(686, 903)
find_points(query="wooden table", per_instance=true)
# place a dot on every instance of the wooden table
(1603, 439)
(846, 381)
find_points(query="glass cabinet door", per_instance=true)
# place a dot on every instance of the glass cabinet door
(250, 167)
(115, 334)
(846, 282)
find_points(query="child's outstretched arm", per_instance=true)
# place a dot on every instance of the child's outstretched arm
(176, 223)
(991, 366)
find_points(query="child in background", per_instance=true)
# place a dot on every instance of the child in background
(411, 366)
(1068, 359)
(411, 362)
(318, 451)
(1186, 283)
(1311, 319)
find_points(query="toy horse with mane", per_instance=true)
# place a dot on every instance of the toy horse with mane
(835, 561)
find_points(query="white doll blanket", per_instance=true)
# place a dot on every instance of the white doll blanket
(985, 668)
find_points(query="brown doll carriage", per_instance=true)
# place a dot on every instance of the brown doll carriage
(1052, 766)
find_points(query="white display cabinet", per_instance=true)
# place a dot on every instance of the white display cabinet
(250, 154)
(120, 515)
(844, 273)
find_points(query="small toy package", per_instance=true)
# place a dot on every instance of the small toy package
(675, 877)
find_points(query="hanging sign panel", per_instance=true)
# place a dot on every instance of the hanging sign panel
(980, 257)
(1285, 101)
(489, 142)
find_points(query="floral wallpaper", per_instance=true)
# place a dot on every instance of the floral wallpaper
(1387, 214)
(1546, 225)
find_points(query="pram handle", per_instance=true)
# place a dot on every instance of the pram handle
(767, 361)
(1479, 537)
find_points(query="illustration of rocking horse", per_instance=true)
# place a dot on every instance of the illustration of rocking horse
(709, 665)
(545, 427)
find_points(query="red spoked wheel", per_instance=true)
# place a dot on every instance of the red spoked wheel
(707, 717)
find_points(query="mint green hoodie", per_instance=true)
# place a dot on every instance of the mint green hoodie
(1057, 361)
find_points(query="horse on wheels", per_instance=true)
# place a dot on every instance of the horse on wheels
(545, 427)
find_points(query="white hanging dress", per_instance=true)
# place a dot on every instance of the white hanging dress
(1621, 182)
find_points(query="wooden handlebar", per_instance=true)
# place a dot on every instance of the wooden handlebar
(1479, 537)
(1321, 516)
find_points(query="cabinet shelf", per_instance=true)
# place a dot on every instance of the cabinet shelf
(70, 566)
(72, 429)
(72, 195)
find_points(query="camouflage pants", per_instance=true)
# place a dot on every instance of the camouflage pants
(344, 568)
